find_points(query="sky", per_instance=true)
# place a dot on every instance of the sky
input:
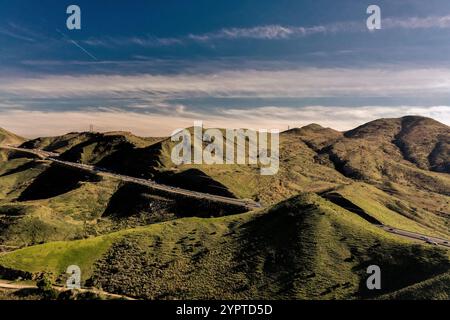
(153, 66)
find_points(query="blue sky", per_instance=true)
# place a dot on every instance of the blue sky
(153, 66)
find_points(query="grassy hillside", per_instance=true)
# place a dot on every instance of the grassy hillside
(437, 288)
(305, 247)
(395, 211)
(41, 202)
(7, 137)
(314, 239)
(312, 158)
(422, 141)
(35, 210)
(66, 142)
(300, 171)
(16, 175)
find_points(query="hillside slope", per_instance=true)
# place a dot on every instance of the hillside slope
(305, 247)
(135, 241)
(312, 159)
(7, 137)
(437, 288)
(422, 141)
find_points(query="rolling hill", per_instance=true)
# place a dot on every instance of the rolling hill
(312, 240)
(303, 248)
(7, 137)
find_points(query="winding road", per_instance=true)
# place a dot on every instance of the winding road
(416, 236)
(51, 156)
(248, 204)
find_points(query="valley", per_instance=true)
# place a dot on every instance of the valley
(140, 226)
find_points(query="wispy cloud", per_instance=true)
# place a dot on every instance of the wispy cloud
(307, 82)
(274, 32)
(269, 32)
(440, 22)
(147, 41)
(143, 103)
(17, 32)
(265, 32)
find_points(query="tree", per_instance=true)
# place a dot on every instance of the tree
(45, 286)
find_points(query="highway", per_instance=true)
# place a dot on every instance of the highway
(248, 204)
(51, 156)
(416, 236)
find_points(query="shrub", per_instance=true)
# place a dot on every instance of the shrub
(45, 287)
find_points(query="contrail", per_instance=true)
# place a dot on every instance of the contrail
(77, 45)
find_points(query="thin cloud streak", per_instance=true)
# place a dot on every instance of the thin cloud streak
(440, 22)
(143, 41)
(22, 33)
(269, 32)
(274, 32)
(308, 82)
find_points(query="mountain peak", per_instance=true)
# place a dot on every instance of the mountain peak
(312, 126)
(391, 127)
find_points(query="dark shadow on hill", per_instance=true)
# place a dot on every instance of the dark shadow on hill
(21, 168)
(276, 247)
(12, 274)
(132, 199)
(12, 210)
(339, 200)
(341, 165)
(131, 161)
(403, 146)
(196, 180)
(403, 266)
(54, 181)
(14, 154)
(116, 153)
(437, 158)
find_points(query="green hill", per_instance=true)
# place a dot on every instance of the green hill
(305, 247)
(422, 141)
(437, 288)
(7, 137)
(66, 142)
(313, 239)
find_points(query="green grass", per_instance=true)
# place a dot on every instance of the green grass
(7, 137)
(304, 248)
(393, 211)
(55, 257)
(67, 216)
(298, 172)
(11, 185)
